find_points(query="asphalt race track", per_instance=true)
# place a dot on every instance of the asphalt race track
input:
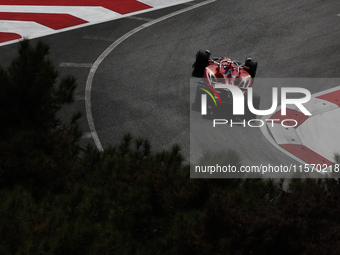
(142, 85)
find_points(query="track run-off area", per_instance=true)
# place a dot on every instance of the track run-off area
(134, 71)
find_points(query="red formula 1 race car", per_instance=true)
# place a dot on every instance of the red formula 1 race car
(222, 70)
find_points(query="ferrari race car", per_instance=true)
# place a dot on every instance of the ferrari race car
(222, 70)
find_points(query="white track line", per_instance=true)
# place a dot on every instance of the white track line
(88, 88)
(139, 18)
(63, 64)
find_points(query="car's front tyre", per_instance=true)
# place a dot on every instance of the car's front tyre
(202, 61)
(252, 67)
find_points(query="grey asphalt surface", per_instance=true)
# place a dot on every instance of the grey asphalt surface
(142, 86)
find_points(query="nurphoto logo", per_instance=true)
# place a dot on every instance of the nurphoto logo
(238, 103)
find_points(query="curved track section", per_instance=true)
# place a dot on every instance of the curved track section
(95, 66)
(32, 19)
(142, 85)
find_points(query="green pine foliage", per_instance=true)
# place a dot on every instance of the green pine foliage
(129, 199)
(36, 148)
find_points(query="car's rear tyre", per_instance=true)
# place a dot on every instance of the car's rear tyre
(252, 65)
(202, 60)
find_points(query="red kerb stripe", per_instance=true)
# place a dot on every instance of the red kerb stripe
(119, 6)
(54, 21)
(290, 114)
(306, 154)
(333, 97)
(4, 37)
